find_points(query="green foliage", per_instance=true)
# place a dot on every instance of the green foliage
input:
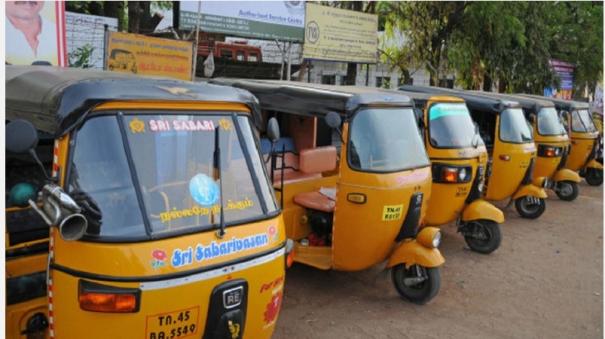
(80, 58)
(427, 27)
(507, 42)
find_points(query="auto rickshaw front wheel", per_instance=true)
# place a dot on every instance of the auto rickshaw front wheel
(482, 236)
(530, 207)
(594, 177)
(417, 284)
(567, 190)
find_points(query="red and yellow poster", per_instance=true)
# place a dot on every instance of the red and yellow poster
(139, 54)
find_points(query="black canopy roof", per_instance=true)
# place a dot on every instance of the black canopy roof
(420, 99)
(561, 104)
(529, 104)
(315, 99)
(474, 101)
(57, 99)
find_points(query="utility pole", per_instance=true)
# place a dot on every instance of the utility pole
(197, 40)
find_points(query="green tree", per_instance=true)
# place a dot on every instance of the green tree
(577, 38)
(428, 27)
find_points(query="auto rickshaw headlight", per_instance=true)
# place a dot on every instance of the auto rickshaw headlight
(447, 174)
(549, 151)
(429, 237)
(462, 174)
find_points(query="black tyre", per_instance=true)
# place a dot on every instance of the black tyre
(482, 236)
(594, 177)
(530, 207)
(416, 284)
(567, 190)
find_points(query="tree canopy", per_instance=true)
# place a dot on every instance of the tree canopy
(508, 43)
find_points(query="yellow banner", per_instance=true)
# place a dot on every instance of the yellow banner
(134, 53)
(340, 35)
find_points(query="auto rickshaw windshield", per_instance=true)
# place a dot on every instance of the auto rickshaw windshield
(451, 126)
(581, 122)
(549, 122)
(163, 178)
(513, 127)
(385, 140)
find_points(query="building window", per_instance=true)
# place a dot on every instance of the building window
(253, 57)
(239, 56)
(328, 79)
(383, 82)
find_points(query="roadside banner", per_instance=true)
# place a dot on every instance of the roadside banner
(24, 45)
(134, 53)
(269, 20)
(340, 35)
(86, 39)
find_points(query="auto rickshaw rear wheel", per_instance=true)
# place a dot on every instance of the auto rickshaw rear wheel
(567, 190)
(482, 236)
(417, 284)
(530, 207)
(594, 177)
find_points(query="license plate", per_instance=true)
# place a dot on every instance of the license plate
(176, 324)
(233, 297)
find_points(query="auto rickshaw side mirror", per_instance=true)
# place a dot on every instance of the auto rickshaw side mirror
(22, 138)
(333, 120)
(273, 130)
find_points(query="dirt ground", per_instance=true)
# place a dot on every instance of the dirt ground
(545, 281)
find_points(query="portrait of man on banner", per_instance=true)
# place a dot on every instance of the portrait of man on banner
(34, 32)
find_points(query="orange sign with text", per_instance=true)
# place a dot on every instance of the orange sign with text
(139, 54)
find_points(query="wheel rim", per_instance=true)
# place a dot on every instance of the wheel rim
(480, 233)
(595, 175)
(415, 277)
(565, 189)
(530, 205)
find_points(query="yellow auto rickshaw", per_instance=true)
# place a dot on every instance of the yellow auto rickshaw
(585, 139)
(457, 154)
(353, 178)
(553, 144)
(138, 207)
(512, 153)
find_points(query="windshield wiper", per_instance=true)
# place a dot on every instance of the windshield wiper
(217, 165)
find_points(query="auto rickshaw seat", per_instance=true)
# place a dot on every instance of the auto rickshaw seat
(308, 165)
(316, 161)
(315, 200)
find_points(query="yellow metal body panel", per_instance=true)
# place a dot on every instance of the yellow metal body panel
(594, 164)
(316, 256)
(449, 200)
(112, 262)
(411, 253)
(17, 316)
(567, 175)
(581, 146)
(507, 175)
(481, 209)
(361, 237)
(547, 166)
(263, 305)
(530, 190)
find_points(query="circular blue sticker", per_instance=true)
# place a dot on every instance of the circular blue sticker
(204, 190)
